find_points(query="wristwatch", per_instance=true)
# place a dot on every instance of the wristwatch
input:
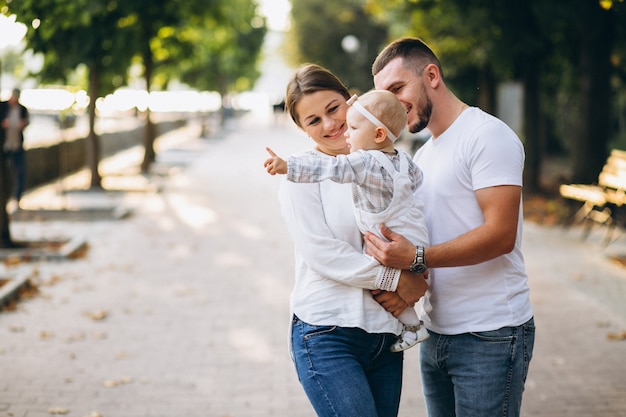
(419, 263)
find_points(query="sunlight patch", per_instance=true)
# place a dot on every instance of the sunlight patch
(193, 215)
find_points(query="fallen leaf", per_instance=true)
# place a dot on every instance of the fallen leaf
(114, 383)
(58, 410)
(76, 338)
(55, 279)
(45, 335)
(12, 260)
(616, 336)
(109, 384)
(121, 355)
(97, 315)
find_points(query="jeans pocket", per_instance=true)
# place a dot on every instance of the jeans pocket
(529, 326)
(310, 331)
(505, 334)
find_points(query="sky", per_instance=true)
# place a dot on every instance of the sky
(11, 32)
(277, 13)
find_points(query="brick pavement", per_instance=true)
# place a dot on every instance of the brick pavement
(181, 310)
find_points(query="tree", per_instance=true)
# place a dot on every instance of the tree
(553, 48)
(81, 32)
(153, 25)
(224, 58)
(597, 30)
(341, 36)
(481, 43)
(169, 36)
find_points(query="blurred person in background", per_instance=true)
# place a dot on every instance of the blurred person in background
(14, 118)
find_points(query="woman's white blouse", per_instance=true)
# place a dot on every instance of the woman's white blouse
(332, 274)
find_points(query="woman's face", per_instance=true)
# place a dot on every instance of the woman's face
(322, 116)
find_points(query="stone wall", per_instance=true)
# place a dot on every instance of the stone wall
(46, 164)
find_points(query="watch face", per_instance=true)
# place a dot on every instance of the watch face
(418, 269)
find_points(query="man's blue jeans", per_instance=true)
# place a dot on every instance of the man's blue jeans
(347, 372)
(476, 374)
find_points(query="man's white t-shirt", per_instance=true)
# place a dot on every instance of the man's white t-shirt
(476, 151)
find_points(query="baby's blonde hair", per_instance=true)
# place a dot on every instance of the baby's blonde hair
(386, 107)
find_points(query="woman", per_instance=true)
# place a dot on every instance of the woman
(340, 336)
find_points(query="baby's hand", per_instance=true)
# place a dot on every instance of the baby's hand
(275, 164)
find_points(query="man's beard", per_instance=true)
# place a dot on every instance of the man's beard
(423, 116)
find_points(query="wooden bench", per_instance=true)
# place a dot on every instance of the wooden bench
(604, 200)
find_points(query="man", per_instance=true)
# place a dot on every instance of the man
(477, 308)
(14, 119)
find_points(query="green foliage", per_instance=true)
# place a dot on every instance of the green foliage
(69, 34)
(224, 48)
(320, 26)
(556, 49)
(212, 44)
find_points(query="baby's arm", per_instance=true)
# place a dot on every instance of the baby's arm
(275, 164)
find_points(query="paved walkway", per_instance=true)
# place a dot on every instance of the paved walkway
(181, 310)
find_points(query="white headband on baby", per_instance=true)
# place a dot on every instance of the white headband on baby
(353, 101)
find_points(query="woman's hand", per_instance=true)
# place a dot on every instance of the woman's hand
(390, 301)
(411, 287)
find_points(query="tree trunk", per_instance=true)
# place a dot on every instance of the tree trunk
(592, 137)
(532, 124)
(92, 147)
(487, 90)
(149, 132)
(148, 141)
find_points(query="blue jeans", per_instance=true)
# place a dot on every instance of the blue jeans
(17, 163)
(478, 374)
(347, 372)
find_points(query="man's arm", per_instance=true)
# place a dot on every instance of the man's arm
(496, 236)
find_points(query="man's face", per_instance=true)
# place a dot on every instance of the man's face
(410, 89)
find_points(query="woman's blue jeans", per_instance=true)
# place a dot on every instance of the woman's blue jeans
(347, 372)
(476, 374)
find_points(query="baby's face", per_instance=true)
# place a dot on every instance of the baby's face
(360, 133)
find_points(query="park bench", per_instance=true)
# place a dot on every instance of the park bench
(603, 202)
